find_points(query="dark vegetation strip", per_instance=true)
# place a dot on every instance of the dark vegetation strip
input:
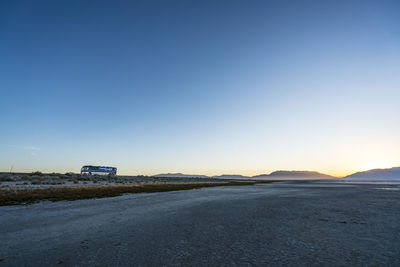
(32, 195)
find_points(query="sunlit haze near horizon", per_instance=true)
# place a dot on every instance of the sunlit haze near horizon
(200, 87)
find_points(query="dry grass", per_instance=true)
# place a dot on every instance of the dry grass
(38, 178)
(26, 196)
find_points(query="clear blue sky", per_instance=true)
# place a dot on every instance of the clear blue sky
(206, 87)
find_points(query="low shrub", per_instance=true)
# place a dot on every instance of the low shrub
(36, 181)
(6, 178)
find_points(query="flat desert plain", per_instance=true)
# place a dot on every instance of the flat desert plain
(310, 223)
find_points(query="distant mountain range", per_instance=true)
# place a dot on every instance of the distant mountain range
(277, 175)
(231, 176)
(376, 174)
(294, 175)
(180, 175)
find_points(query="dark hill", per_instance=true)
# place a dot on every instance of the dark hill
(294, 175)
(376, 174)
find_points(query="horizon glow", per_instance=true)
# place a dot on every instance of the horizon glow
(200, 87)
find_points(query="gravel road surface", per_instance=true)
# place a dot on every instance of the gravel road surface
(279, 224)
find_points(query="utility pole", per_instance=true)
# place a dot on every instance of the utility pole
(11, 168)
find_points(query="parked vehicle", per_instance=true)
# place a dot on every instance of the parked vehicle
(89, 169)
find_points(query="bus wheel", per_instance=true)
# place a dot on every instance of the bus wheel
(90, 173)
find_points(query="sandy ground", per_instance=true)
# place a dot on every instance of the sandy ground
(280, 224)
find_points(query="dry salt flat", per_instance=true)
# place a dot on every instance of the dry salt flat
(280, 224)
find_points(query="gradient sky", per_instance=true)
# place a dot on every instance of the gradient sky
(208, 87)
